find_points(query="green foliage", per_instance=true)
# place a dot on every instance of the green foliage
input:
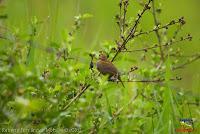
(53, 83)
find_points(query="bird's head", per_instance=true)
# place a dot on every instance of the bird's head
(102, 57)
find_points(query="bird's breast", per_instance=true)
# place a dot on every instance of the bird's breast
(106, 68)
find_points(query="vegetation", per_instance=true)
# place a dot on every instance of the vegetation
(49, 83)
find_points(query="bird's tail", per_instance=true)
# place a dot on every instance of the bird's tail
(119, 78)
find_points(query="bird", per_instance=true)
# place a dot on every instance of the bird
(106, 67)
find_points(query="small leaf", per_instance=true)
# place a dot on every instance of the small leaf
(87, 15)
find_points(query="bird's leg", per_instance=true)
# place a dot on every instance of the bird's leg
(91, 62)
(119, 79)
(111, 78)
(115, 78)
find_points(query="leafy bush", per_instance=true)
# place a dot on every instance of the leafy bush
(57, 86)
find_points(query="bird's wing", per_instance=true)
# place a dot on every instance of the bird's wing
(106, 67)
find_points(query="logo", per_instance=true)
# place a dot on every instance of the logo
(186, 125)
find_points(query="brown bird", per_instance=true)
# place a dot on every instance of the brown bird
(106, 67)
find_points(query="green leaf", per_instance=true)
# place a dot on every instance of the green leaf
(87, 15)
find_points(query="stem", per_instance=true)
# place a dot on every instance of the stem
(77, 96)
(117, 113)
(151, 81)
(156, 31)
(132, 30)
(157, 28)
(156, 46)
(186, 63)
(120, 16)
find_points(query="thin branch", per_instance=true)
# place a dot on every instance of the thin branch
(126, 3)
(156, 31)
(134, 28)
(166, 26)
(193, 103)
(124, 18)
(186, 63)
(183, 56)
(177, 31)
(83, 89)
(118, 112)
(152, 81)
(151, 99)
(132, 31)
(156, 46)
(2, 37)
(120, 16)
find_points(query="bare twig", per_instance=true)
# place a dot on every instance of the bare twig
(126, 2)
(183, 56)
(156, 46)
(187, 63)
(2, 37)
(193, 103)
(156, 31)
(120, 17)
(166, 26)
(83, 89)
(132, 30)
(118, 112)
(177, 31)
(159, 80)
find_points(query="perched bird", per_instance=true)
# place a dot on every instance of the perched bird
(105, 67)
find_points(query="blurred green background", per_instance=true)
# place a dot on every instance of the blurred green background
(58, 15)
(37, 84)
